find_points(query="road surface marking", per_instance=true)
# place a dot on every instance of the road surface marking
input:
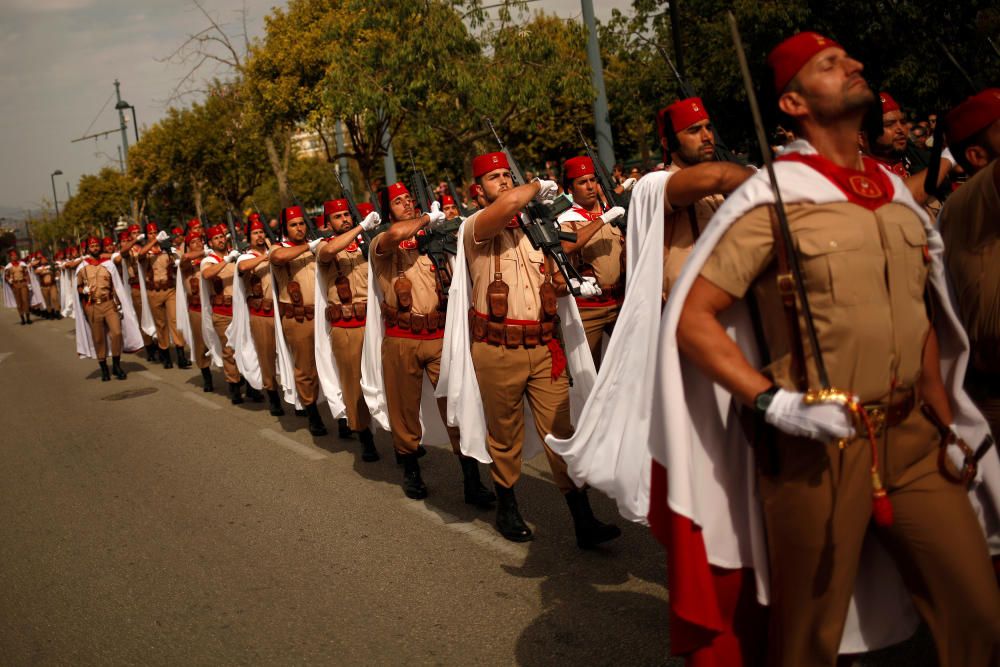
(481, 533)
(4, 355)
(304, 451)
(201, 400)
(149, 375)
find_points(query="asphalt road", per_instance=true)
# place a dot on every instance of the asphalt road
(146, 522)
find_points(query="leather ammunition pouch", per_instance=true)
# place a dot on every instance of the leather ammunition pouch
(510, 334)
(297, 312)
(417, 323)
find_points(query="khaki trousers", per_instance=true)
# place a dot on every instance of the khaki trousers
(137, 305)
(596, 323)
(50, 293)
(198, 350)
(346, 343)
(220, 323)
(163, 303)
(505, 377)
(404, 362)
(262, 330)
(817, 510)
(300, 338)
(105, 322)
(22, 296)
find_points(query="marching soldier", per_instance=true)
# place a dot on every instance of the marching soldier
(449, 207)
(294, 265)
(130, 260)
(190, 267)
(100, 306)
(346, 311)
(16, 275)
(889, 148)
(160, 273)
(824, 478)
(599, 250)
(413, 310)
(516, 350)
(968, 224)
(50, 290)
(260, 302)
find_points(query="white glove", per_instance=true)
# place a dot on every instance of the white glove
(206, 251)
(140, 237)
(587, 288)
(162, 236)
(371, 221)
(957, 458)
(175, 252)
(547, 190)
(232, 256)
(823, 421)
(315, 243)
(86, 289)
(628, 183)
(612, 214)
(436, 216)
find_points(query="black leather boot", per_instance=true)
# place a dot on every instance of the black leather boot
(27, 317)
(509, 521)
(300, 413)
(235, 395)
(22, 321)
(368, 452)
(475, 493)
(254, 395)
(105, 373)
(206, 380)
(182, 360)
(413, 483)
(116, 368)
(343, 430)
(589, 531)
(275, 400)
(151, 352)
(316, 425)
(59, 314)
(165, 358)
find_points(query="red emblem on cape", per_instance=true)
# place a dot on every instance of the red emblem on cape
(865, 187)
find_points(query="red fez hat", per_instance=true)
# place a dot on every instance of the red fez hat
(59, 254)
(484, 164)
(192, 237)
(109, 242)
(683, 114)
(447, 200)
(972, 115)
(397, 189)
(364, 208)
(12, 252)
(787, 58)
(292, 212)
(318, 220)
(177, 230)
(132, 228)
(575, 167)
(334, 206)
(194, 222)
(151, 228)
(92, 239)
(255, 223)
(122, 236)
(216, 230)
(254, 217)
(475, 190)
(888, 104)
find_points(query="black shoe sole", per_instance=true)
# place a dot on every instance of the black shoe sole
(236, 401)
(371, 458)
(415, 494)
(516, 537)
(591, 544)
(277, 412)
(345, 435)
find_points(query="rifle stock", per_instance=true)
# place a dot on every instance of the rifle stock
(611, 198)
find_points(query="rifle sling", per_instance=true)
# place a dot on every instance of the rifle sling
(786, 290)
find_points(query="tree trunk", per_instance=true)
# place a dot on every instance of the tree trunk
(196, 192)
(279, 165)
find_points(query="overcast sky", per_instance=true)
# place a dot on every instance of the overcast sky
(58, 62)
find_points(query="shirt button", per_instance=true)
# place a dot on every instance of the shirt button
(833, 244)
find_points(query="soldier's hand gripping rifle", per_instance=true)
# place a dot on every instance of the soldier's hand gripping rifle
(366, 237)
(439, 242)
(540, 226)
(239, 241)
(611, 198)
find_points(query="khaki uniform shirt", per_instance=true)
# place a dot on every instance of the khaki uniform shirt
(98, 279)
(603, 251)
(261, 274)
(865, 274)
(416, 267)
(679, 237)
(17, 272)
(351, 263)
(45, 276)
(131, 260)
(522, 266)
(222, 283)
(301, 270)
(159, 268)
(970, 225)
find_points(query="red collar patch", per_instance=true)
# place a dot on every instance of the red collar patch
(870, 188)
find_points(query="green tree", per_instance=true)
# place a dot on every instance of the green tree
(99, 201)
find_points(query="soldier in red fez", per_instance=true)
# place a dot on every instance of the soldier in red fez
(293, 262)
(599, 250)
(968, 224)
(99, 300)
(16, 275)
(829, 481)
(190, 267)
(449, 207)
(160, 273)
(344, 276)
(129, 259)
(413, 312)
(50, 290)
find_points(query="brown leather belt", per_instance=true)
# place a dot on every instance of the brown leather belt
(297, 313)
(883, 415)
(260, 303)
(96, 301)
(159, 287)
(222, 300)
(510, 333)
(18, 282)
(351, 312)
(417, 323)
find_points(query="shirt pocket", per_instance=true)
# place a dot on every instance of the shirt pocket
(835, 266)
(917, 256)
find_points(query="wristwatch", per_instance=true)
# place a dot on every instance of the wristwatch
(763, 400)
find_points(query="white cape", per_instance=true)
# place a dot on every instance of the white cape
(433, 430)
(238, 332)
(8, 293)
(66, 290)
(181, 313)
(36, 290)
(213, 345)
(286, 363)
(131, 336)
(458, 375)
(326, 368)
(696, 433)
(146, 320)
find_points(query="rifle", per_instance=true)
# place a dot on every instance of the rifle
(421, 189)
(541, 226)
(611, 198)
(462, 211)
(238, 243)
(365, 238)
(267, 226)
(438, 243)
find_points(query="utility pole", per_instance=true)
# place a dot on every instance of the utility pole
(675, 32)
(602, 125)
(345, 174)
(55, 199)
(121, 106)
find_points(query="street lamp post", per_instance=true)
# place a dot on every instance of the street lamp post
(55, 199)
